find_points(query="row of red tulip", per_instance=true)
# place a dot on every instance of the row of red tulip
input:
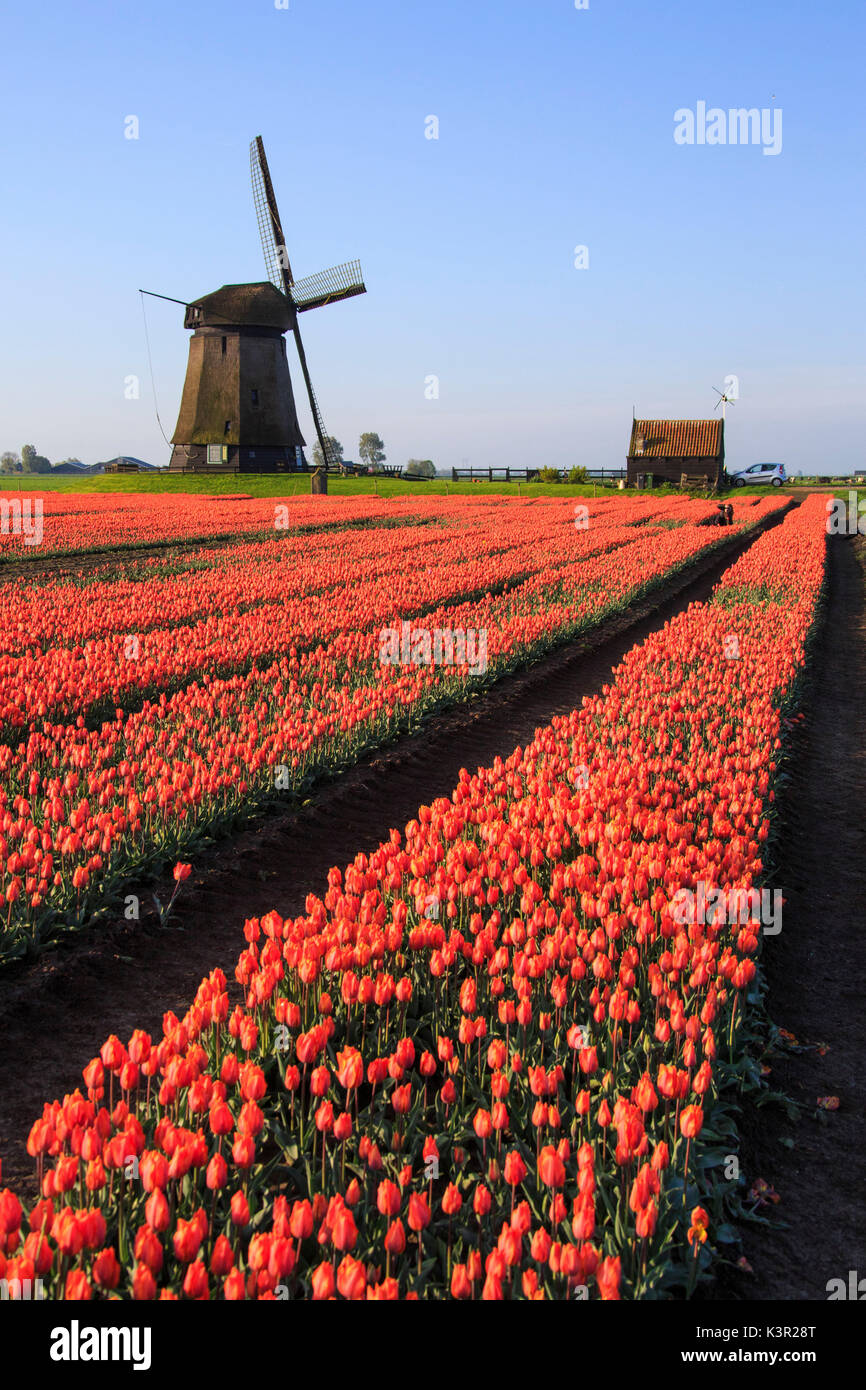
(88, 521)
(75, 521)
(487, 1063)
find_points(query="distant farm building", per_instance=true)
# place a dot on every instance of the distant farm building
(125, 463)
(71, 468)
(676, 451)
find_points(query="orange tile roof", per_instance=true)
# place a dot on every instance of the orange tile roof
(677, 439)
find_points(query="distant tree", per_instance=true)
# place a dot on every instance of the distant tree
(421, 468)
(372, 450)
(335, 451)
(31, 462)
(9, 462)
(578, 474)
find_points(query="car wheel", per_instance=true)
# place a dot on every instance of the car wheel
(777, 482)
(740, 482)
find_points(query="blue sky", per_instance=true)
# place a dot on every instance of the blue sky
(556, 130)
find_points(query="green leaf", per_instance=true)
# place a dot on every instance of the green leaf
(727, 1234)
(713, 1158)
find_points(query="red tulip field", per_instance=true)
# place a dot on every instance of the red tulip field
(138, 714)
(493, 1058)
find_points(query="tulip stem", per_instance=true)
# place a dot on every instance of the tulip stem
(731, 1034)
(686, 1171)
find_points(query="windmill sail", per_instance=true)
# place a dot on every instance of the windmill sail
(326, 287)
(268, 218)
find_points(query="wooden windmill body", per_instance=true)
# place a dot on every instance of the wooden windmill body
(238, 407)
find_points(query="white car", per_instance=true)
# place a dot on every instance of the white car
(760, 473)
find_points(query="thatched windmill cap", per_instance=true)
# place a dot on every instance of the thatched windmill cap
(259, 305)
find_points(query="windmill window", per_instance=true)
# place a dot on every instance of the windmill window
(255, 396)
(228, 426)
(224, 346)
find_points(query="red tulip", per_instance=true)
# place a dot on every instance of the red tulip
(551, 1169)
(323, 1281)
(418, 1212)
(351, 1278)
(607, 1277)
(10, 1212)
(195, 1283)
(221, 1259)
(143, 1283)
(302, 1220)
(388, 1198)
(234, 1286)
(515, 1168)
(395, 1238)
(350, 1068)
(344, 1230)
(451, 1200)
(481, 1124)
(156, 1211)
(691, 1120)
(106, 1270)
(240, 1211)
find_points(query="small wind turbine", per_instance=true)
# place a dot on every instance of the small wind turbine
(724, 400)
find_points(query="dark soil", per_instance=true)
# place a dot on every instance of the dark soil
(815, 971)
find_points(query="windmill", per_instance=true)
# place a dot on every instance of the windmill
(325, 287)
(724, 400)
(237, 410)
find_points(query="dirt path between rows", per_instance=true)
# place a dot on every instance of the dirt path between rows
(815, 971)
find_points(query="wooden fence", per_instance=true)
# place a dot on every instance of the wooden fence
(530, 475)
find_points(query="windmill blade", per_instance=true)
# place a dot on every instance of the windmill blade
(329, 286)
(268, 217)
(279, 268)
